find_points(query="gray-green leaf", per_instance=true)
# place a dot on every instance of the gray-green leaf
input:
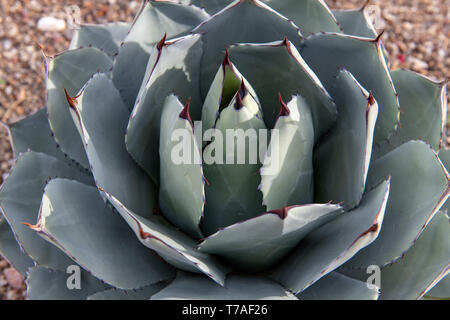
(175, 247)
(274, 68)
(257, 244)
(156, 19)
(106, 37)
(181, 190)
(195, 287)
(10, 249)
(244, 22)
(287, 172)
(328, 247)
(419, 187)
(20, 198)
(48, 284)
(424, 109)
(310, 16)
(102, 121)
(173, 68)
(70, 71)
(363, 57)
(74, 217)
(336, 286)
(342, 157)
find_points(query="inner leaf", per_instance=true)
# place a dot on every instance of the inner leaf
(231, 85)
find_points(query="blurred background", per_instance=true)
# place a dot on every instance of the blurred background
(417, 37)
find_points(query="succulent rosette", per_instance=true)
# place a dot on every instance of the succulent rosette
(352, 179)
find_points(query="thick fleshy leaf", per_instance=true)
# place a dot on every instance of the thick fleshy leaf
(257, 244)
(441, 290)
(211, 6)
(173, 68)
(10, 249)
(139, 294)
(194, 287)
(336, 286)
(227, 82)
(181, 190)
(106, 37)
(172, 245)
(419, 187)
(33, 133)
(231, 165)
(70, 70)
(328, 247)
(420, 268)
(244, 21)
(423, 105)
(278, 68)
(287, 172)
(355, 22)
(20, 198)
(363, 57)
(342, 157)
(47, 284)
(156, 19)
(310, 16)
(102, 121)
(74, 217)
(444, 156)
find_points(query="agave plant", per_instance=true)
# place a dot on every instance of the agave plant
(359, 186)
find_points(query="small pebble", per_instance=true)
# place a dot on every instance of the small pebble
(13, 277)
(51, 24)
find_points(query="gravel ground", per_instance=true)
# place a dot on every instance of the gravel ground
(417, 36)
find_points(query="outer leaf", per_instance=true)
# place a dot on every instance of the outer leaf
(257, 244)
(363, 57)
(336, 286)
(342, 157)
(278, 68)
(102, 121)
(73, 217)
(328, 247)
(20, 198)
(106, 37)
(195, 287)
(420, 268)
(355, 22)
(287, 173)
(419, 187)
(427, 262)
(231, 165)
(244, 21)
(172, 245)
(70, 70)
(139, 294)
(310, 16)
(156, 19)
(444, 156)
(173, 68)
(424, 111)
(33, 133)
(182, 191)
(211, 6)
(11, 251)
(47, 284)
(441, 290)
